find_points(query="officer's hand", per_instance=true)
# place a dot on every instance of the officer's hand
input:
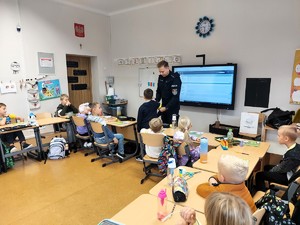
(163, 109)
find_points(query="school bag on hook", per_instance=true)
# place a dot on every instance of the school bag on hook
(279, 117)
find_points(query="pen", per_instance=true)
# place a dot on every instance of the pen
(243, 153)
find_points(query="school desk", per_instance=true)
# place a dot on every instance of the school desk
(194, 200)
(143, 210)
(37, 148)
(214, 155)
(258, 151)
(128, 129)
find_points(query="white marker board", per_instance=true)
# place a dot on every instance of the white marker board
(148, 78)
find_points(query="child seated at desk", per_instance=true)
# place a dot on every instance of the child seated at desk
(182, 135)
(156, 126)
(230, 178)
(65, 106)
(220, 209)
(9, 138)
(84, 110)
(282, 172)
(96, 112)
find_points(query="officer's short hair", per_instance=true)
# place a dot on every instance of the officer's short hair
(162, 64)
(148, 93)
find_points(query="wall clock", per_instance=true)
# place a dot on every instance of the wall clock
(204, 27)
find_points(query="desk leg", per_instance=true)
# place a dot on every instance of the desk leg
(39, 145)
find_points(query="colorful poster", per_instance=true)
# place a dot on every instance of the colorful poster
(295, 87)
(49, 89)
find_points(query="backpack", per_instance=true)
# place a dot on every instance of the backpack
(57, 148)
(277, 211)
(167, 152)
(9, 161)
(279, 117)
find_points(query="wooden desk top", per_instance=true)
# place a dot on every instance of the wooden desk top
(52, 120)
(211, 137)
(143, 211)
(120, 123)
(213, 158)
(194, 200)
(259, 151)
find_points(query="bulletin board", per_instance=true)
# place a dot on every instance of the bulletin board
(148, 78)
(295, 87)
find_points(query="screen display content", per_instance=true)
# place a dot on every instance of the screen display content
(211, 86)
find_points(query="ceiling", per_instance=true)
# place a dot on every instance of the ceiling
(111, 7)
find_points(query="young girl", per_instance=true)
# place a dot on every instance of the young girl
(182, 135)
(155, 127)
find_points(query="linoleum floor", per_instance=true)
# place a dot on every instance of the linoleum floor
(69, 191)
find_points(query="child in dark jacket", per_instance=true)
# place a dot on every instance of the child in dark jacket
(282, 172)
(147, 111)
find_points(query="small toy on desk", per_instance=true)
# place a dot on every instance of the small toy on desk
(224, 144)
(32, 119)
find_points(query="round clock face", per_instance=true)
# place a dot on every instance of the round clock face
(204, 27)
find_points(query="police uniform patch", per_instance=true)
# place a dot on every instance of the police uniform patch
(174, 91)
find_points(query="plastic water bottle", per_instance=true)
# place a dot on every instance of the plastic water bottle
(162, 204)
(230, 137)
(171, 171)
(174, 121)
(203, 150)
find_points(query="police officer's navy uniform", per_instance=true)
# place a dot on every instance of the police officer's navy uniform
(168, 90)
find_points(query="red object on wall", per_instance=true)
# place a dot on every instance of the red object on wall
(79, 30)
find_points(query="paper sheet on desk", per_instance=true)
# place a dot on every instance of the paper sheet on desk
(252, 143)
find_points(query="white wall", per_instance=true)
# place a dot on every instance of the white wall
(48, 27)
(261, 36)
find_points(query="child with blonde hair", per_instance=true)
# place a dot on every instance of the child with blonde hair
(95, 116)
(182, 136)
(282, 172)
(220, 209)
(156, 126)
(230, 178)
(84, 111)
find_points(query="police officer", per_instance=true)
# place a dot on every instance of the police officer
(168, 90)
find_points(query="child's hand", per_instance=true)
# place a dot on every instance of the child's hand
(189, 215)
(115, 140)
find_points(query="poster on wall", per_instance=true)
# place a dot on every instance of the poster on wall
(8, 87)
(295, 87)
(49, 89)
(46, 63)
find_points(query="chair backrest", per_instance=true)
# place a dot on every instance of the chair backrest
(153, 140)
(181, 149)
(96, 127)
(78, 121)
(258, 215)
(43, 115)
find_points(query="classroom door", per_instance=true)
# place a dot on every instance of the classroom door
(79, 79)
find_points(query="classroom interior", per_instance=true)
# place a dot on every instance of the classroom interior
(260, 36)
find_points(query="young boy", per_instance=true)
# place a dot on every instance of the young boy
(96, 112)
(147, 111)
(9, 138)
(84, 110)
(230, 178)
(65, 106)
(155, 127)
(282, 172)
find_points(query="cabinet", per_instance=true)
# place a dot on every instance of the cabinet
(117, 109)
(264, 131)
